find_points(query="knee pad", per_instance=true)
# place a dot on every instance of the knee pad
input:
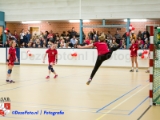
(52, 70)
(9, 71)
(49, 67)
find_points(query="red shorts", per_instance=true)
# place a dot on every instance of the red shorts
(10, 63)
(51, 61)
(133, 55)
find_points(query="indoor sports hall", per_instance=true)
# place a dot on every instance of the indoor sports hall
(79, 60)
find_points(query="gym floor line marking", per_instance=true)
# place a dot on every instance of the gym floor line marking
(31, 84)
(117, 99)
(37, 83)
(74, 110)
(74, 107)
(138, 106)
(144, 112)
(121, 103)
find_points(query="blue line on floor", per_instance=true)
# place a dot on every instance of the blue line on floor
(117, 99)
(33, 84)
(137, 106)
(117, 114)
(41, 105)
(22, 86)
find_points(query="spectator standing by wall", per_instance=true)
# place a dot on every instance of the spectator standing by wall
(21, 36)
(109, 35)
(139, 34)
(16, 35)
(118, 37)
(73, 32)
(145, 33)
(28, 35)
(25, 39)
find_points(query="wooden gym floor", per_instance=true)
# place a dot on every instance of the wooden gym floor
(114, 94)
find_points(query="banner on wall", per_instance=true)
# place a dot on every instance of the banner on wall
(17, 53)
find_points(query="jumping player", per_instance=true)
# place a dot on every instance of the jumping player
(10, 61)
(133, 54)
(104, 53)
(52, 59)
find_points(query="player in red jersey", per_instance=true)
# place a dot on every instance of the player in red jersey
(52, 59)
(133, 54)
(10, 61)
(104, 53)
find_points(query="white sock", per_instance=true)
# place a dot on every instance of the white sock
(136, 68)
(132, 68)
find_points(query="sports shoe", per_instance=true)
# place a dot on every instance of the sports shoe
(88, 82)
(11, 81)
(47, 77)
(131, 70)
(7, 80)
(55, 76)
(137, 70)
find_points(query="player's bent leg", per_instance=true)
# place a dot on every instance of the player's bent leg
(136, 62)
(53, 71)
(132, 60)
(114, 48)
(49, 67)
(49, 70)
(108, 55)
(9, 71)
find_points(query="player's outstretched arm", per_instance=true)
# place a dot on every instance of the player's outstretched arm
(8, 59)
(56, 58)
(88, 46)
(16, 58)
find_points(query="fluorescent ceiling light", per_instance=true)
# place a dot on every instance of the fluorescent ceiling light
(77, 21)
(31, 22)
(136, 20)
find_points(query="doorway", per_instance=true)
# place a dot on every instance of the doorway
(151, 28)
(34, 30)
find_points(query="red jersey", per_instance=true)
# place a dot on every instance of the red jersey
(102, 48)
(141, 41)
(49, 35)
(134, 49)
(12, 53)
(51, 55)
(87, 42)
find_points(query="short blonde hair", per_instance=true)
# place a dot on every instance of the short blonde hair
(102, 38)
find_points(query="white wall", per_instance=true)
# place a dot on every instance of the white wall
(21, 10)
(86, 57)
(2, 55)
